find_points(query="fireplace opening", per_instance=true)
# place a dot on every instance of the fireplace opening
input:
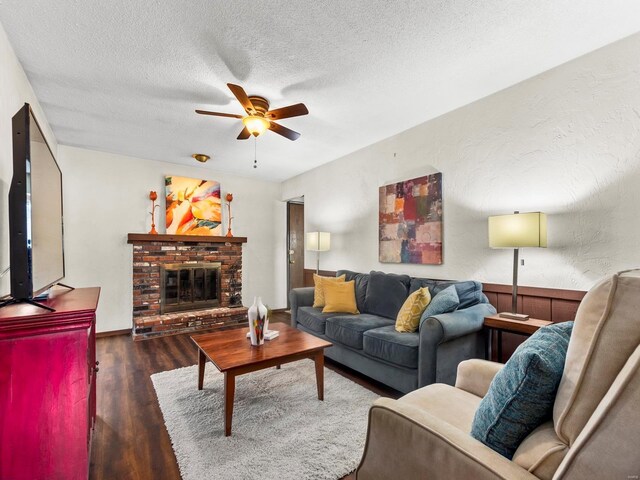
(189, 286)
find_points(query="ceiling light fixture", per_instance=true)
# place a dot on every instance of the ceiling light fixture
(201, 157)
(256, 124)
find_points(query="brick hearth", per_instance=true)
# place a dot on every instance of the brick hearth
(152, 251)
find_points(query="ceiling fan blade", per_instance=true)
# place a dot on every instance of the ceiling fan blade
(242, 97)
(284, 131)
(244, 134)
(218, 114)
(287, 112)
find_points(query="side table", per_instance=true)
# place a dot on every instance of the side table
(499, 324)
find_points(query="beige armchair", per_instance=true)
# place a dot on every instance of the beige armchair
(595, 431)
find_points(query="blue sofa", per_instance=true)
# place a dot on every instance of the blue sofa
(369, 343)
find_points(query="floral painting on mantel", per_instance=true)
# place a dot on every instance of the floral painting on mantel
(410, 226)
(194, 206)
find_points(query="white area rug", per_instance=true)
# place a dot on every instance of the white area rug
(280, 429)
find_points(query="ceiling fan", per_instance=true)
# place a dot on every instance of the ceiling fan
(259, 118)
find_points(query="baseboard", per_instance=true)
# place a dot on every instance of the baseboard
(280, 310)
(114, 333)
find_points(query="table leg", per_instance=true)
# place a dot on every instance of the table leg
(488, 340)
(202, 360)
(277, 367)
(500, 346)
(229, 393)
(319, 358)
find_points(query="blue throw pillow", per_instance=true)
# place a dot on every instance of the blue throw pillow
(522, 394)
(469, 292)
(443, 302)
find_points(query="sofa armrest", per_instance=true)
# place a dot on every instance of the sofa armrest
(447, 327)
(475, 376)
(406, 442)
(300, 297)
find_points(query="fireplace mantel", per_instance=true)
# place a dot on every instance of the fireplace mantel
(163, 237)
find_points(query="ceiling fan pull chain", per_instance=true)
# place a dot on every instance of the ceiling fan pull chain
(255, 152)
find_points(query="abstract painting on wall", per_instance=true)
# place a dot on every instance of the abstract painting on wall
(410, 228)
(193, 206)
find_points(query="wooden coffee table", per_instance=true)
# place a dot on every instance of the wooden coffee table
(232, 354)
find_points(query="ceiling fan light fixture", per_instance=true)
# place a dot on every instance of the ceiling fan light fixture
(255, 124)
(201, 157)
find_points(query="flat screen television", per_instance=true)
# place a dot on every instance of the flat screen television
(36, 247)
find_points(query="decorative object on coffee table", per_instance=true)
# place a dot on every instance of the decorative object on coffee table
(257, 321)
(410, 221)
(153, 196)
(194, 206)
(229, 199)
(515, 231)
(266, 323)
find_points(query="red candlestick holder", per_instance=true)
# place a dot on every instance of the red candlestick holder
(229, 199)
(153, 196)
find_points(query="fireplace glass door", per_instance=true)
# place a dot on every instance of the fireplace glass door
(192, 286)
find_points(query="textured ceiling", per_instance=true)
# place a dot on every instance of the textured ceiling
(125, 76)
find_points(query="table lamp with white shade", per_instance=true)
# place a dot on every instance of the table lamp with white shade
(516, 231)
(318, 242)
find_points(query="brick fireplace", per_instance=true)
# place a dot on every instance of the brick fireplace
(184, 283)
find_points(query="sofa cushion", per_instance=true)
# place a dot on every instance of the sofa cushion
(362, 280)
(340, 297)
(417, 283)
(469, 291)
(438, 401)
(542, 452)
(348, 329)
(392, 346)
(522, 394)
(386, 293)
(313, 318)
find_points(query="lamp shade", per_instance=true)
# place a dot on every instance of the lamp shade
(518, 230)
(318, 241)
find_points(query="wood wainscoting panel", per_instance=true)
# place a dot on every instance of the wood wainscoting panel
(563, 310)
(557, 305)
(308, 276)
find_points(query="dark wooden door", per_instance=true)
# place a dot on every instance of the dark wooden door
(295, 246)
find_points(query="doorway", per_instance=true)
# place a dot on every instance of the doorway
(295, 245)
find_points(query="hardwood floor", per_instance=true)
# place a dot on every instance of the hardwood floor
(130, 440)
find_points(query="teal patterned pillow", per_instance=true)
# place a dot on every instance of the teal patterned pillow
(522, 394)
(444, 301)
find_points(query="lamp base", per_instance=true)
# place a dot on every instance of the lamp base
(514, 316)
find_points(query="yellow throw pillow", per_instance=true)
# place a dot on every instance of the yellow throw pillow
(340, 297)
(319, 282)
(408, 318)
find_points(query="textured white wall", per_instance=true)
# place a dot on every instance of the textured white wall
(106, 197)
(565, 142)
(15, 91)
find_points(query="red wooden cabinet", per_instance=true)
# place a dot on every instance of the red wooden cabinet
(47, 387)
